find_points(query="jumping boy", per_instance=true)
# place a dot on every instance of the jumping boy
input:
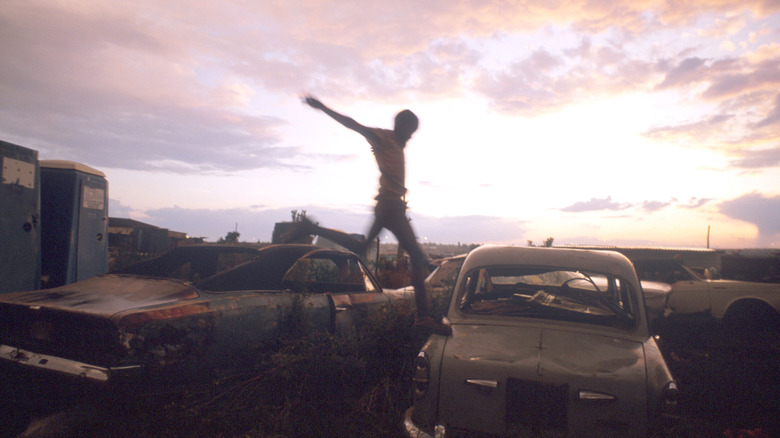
(390, 210)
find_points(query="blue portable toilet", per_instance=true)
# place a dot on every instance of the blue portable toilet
(20, 233)
(74, 222)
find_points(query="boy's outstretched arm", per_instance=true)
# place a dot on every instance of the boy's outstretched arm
(348, 122)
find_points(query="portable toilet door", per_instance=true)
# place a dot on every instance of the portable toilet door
(20, 248)
(74, 222)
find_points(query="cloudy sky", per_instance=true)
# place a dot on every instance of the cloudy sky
(592, 122)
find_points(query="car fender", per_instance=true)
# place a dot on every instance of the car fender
(726, 294)
(426, 402)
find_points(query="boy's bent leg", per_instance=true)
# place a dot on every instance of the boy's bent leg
(306, 227)
(393, 215)
(400, 226)
(299, 229)
(355, 245)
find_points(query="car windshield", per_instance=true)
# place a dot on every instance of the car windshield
(663, 270)
(549, 293)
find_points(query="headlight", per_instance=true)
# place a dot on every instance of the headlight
(422, 375)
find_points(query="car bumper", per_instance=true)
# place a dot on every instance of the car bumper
(60, 365)
(413, 431)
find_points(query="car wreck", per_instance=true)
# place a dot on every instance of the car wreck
(545, 341)
(740, 305)
(200, 306)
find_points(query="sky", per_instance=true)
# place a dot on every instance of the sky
(652, 123)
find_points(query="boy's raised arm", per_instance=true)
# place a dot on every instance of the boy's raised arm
(348, 122)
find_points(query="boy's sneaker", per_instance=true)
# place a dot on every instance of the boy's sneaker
(429, 324)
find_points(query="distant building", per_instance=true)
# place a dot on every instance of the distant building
(128, 235)
(762, 265)
(700, 260)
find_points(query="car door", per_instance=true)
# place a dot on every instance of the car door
(353, 293)
(689, 294)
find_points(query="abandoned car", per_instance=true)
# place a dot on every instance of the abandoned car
(740, 304)
(191, 306)
(442, 280)
(545, 341)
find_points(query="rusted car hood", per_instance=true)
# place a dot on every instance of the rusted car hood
(485, 366)
(105, 295)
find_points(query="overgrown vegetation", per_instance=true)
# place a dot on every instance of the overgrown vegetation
(309, 384)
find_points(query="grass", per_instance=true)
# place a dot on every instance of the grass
(312, 384)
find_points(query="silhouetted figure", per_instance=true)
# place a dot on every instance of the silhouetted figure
(390, 210)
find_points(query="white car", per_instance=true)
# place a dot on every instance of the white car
(741, 304)
(545, 342)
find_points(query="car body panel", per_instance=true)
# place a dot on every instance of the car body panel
(722, 294)
(656, 295)
(477, 355)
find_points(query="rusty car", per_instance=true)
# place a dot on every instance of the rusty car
(738, 305)
(200, 306)
(545, 341)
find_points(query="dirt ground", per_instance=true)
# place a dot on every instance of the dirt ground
(730, 383)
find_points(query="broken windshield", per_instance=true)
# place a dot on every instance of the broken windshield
(549, 293)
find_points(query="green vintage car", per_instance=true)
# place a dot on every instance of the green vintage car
(545, 342)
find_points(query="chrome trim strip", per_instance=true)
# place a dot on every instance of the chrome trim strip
(58, 364)
(483, 382)
(593, 395)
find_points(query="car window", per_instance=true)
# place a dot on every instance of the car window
(554, 293)
(328, 273)
(229, 260)
(204, 267)
(445, 274)
(665, 271)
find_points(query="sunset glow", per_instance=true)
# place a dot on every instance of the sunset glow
(636, 123)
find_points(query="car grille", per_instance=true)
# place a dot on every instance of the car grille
(72, 336)
(536, 405)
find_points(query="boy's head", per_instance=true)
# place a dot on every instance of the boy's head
(406, 123)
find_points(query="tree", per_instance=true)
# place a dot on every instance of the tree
(231, 237)
(298, 217)
(548, 242)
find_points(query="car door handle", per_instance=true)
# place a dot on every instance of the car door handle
(584, 394)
